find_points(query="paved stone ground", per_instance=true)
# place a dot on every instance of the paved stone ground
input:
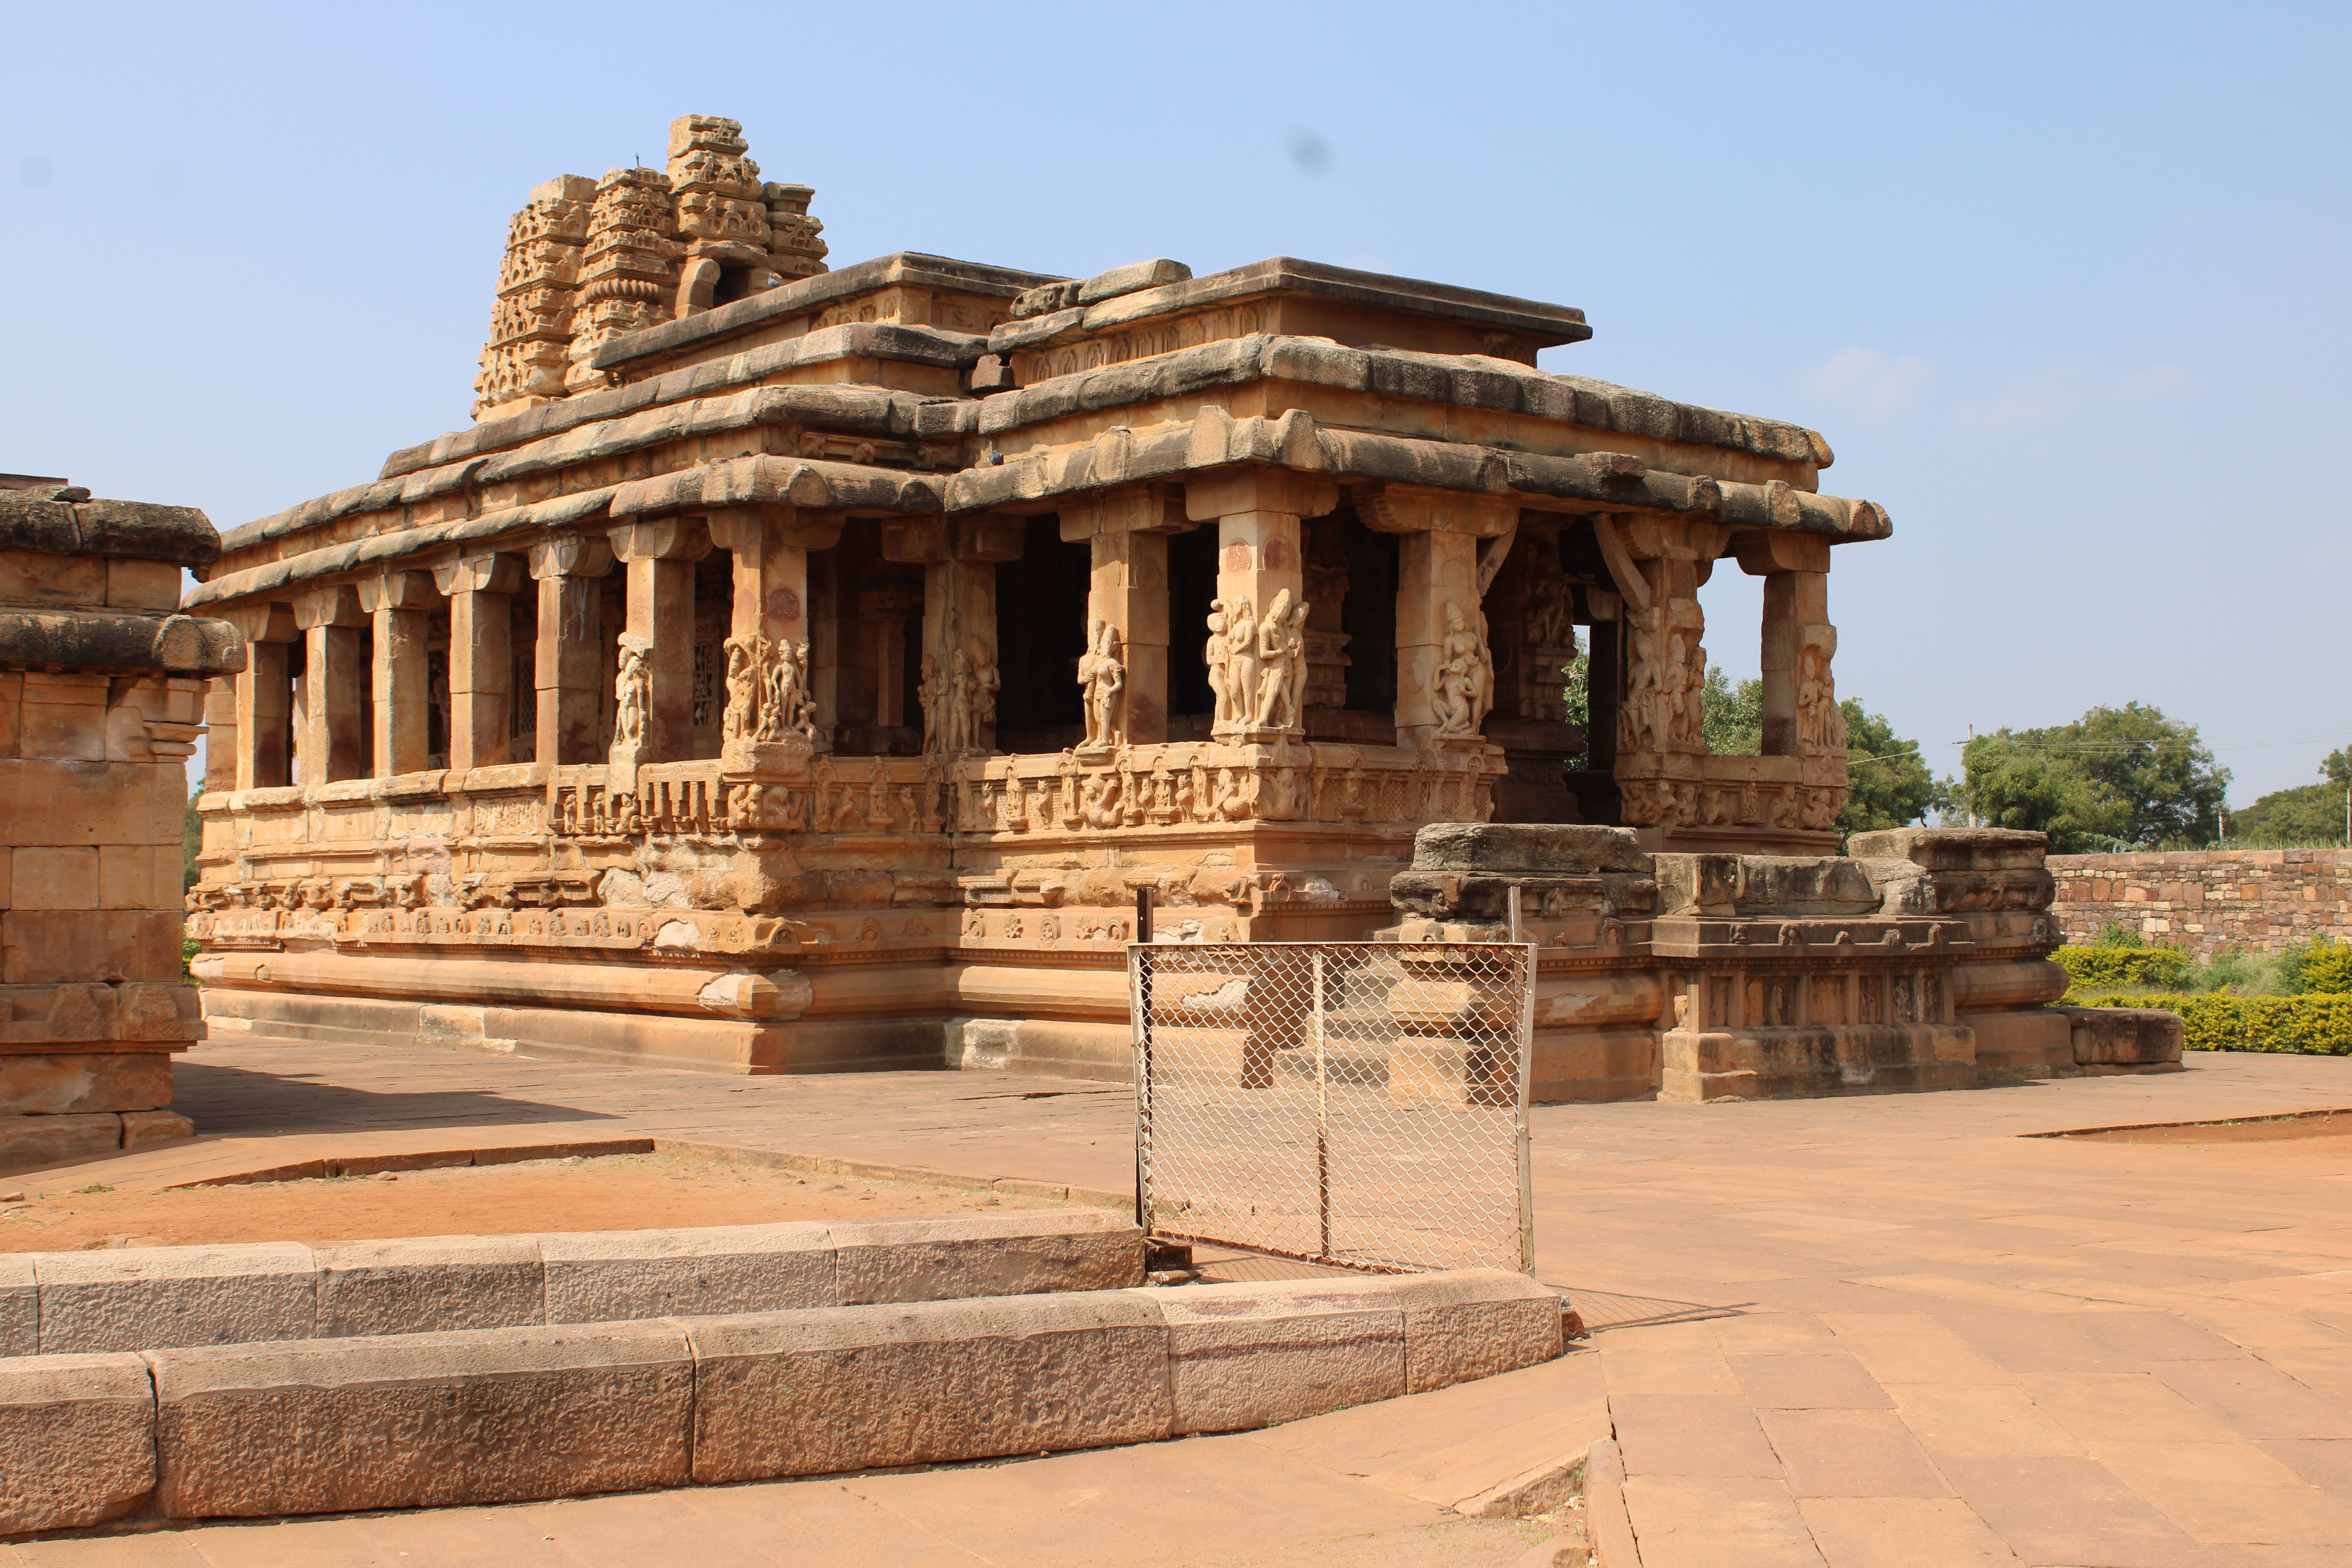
(1853, 1332)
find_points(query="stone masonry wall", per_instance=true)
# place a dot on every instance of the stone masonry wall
(2207, 900)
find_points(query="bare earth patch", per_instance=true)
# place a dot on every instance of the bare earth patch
(613, 1192)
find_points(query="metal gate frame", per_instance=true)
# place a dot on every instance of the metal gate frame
(1143, 1014)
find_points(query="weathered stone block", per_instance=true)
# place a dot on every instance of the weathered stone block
(20, 1317)
(27, 1141)
(77, 1440)
(429, 1284)
(1253, 1354)
(74, 1082)
(176, 1296)
(1551, 848)
(1473, 1322)
(421, 1420)
(799, 1393)
(1009, 1255)
(595, 1277)
(2125, 1037)
(144, 1129)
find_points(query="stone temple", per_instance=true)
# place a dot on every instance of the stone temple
(797, 670)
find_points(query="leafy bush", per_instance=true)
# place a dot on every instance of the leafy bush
(2111, 965)
(2321, 965)
(2313, 1024)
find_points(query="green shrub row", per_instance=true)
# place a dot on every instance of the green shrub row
(2106, 965)
(2310, 1025)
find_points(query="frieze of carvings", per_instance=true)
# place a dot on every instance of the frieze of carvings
(1666, 675)
(1199, 783)
(1464, 680)
(768, 695)
(1101, 678)
(1032, 365)
(612, 930)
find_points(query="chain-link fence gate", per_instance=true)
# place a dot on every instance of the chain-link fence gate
(1357, 1103)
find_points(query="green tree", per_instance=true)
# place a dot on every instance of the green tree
(1731, 719)
(2007, 782)
(1887, 784)
(2309, 814)
(194, 831)
(2117, 777)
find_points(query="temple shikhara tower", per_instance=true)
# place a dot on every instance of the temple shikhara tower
(797, 670)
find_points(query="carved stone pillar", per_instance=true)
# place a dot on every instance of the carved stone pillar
(401, 604)
(1659, 763)
(568, 666)
(1445, 672)
(1127, 531)
(334, 685)
(264, 699)
(882, 612)
(222, 751)
(960, 679)
(480, 589)
(1802, 718)
(1261, 589)
(772, 722)
(1327, 595)
(655, 710)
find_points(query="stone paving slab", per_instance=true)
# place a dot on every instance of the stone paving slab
(1852, 1331)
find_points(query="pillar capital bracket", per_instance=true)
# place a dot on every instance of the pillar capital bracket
(661, 539)
(1133, 508)
(262, 622)
(480, 574)
(1762, 551)
(1258, 489)
(1425, 509)
(571, 555)
(337, 604)
(398, 591)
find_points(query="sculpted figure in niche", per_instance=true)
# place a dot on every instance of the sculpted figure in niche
(742, 689)
(633, 692)
(1820, 724)
(986, 684)
(1102, 678)
(1282, 664)
(1217, 655)
(1465, 675)
(929, 695)
(790, 708)
(1239, 659)
(1550, 622)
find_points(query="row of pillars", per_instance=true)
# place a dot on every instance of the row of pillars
(1259, 514)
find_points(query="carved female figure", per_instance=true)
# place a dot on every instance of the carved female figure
(1241, 663)
(742, 717)
(1465, 675)
(1215, 654)
(1102, 677)
(632, 692)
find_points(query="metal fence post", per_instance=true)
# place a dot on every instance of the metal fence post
(1322, 1119)
(1526, 1072)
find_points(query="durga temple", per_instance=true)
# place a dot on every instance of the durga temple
(796, 669)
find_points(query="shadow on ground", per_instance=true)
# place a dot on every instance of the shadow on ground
(226, 1100)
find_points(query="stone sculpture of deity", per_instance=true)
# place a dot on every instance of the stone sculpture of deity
(1101, 678)
(1465, 677)
(632, 692)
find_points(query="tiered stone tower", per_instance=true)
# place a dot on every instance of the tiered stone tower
(589, 261)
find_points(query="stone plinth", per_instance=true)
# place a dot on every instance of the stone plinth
(102, 691)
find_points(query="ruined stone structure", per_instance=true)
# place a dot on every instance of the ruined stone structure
(792, 675)
(2206, 900)
(1918, 961)
(101, 692)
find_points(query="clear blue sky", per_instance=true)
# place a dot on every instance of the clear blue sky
(2063, 286)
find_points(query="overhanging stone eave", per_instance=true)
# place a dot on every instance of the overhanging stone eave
(1595, 482)
(511, 528)
(899, 269)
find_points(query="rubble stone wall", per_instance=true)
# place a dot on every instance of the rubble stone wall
(2207, 900)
